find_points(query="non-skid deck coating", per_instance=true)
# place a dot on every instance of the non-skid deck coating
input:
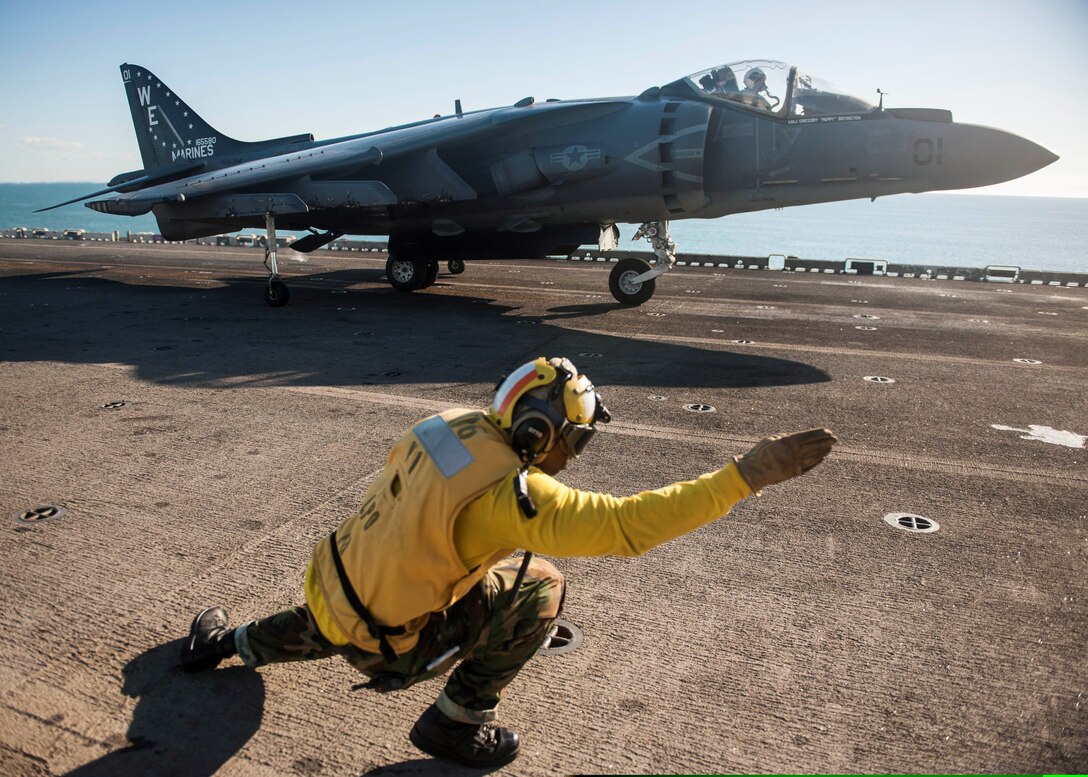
(800, 633)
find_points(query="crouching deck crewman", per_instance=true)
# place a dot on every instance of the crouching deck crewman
(418, 581)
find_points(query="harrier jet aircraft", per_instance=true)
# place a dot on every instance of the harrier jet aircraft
(542, 178)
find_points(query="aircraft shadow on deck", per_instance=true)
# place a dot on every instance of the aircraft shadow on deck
(334, 336)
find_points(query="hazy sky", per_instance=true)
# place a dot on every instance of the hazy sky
(266, 69)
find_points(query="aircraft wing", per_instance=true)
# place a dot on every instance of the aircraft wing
(323, 160)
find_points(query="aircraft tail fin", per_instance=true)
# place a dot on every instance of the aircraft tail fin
(170, 133)
(167, 129)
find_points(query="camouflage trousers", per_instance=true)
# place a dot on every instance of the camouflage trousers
(491, 637)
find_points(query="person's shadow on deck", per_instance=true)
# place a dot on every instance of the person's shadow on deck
(183, 724)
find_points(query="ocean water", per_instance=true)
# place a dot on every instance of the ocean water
(960, 230)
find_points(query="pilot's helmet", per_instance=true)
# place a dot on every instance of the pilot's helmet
(755, 79)
(545, 403)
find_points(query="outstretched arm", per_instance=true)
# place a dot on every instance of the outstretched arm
(583, 523)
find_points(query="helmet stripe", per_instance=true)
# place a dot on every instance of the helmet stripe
(514, 391)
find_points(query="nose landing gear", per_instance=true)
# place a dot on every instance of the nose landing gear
(632, 281)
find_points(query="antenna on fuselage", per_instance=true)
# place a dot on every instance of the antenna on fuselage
(880, 106)
(457, 108)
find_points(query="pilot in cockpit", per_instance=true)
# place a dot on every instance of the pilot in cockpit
(755, 82)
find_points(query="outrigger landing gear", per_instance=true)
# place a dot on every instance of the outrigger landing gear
(277, 292)
(632, 281)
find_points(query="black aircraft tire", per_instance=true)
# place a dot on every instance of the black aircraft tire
(625, 292)
(455, 266)
(276, 294)
(431, 275)
(404, 274)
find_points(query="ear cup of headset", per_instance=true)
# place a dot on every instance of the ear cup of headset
(533, 434)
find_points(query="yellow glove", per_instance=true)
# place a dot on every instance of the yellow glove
(784, 456)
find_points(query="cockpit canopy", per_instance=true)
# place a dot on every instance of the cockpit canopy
(775, 88)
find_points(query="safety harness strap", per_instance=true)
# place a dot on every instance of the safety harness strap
(528, 509)
(376, 630)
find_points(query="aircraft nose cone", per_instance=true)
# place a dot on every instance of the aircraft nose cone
(1030, 156)
(1045, 156)
(980, 156)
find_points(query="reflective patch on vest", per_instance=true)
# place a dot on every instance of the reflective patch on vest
(447, 452)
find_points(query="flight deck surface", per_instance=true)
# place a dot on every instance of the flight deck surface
(198, 443)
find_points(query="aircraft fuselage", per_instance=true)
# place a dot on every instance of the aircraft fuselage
(543, 178)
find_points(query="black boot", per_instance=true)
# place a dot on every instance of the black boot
(470, 744)
(209, 641)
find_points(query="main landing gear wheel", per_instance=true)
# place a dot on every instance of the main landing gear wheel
(626, 291)
(276, 294)
(455, 266)
(406, 275)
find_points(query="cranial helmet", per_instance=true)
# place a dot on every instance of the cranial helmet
(545, 403)
(755, 78)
